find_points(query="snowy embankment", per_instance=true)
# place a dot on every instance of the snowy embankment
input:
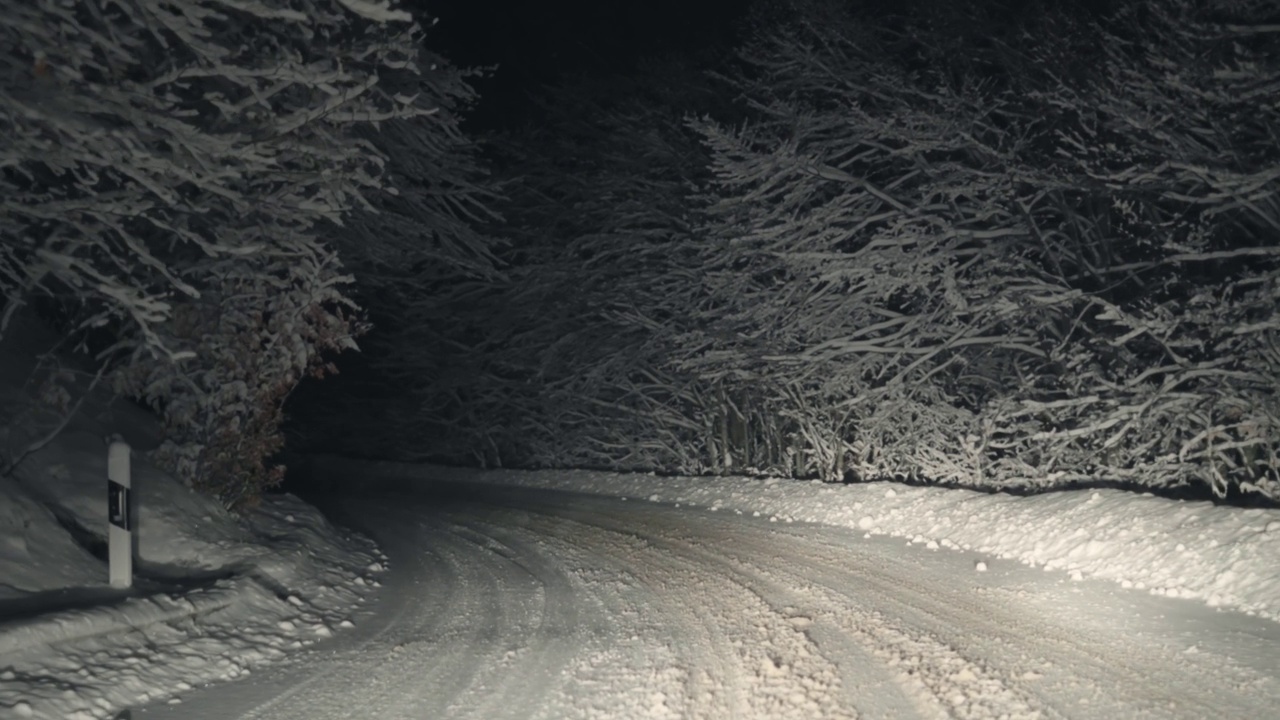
(213, 593)
(1225, 557)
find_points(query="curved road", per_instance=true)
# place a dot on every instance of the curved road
(505, 604)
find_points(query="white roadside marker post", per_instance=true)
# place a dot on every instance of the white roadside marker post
(119, 515)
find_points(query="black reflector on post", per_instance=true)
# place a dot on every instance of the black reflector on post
(118, 505)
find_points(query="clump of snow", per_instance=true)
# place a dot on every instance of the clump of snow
(1219, 555)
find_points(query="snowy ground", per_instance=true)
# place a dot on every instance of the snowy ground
(507, 602)
(636, 596)
(215, 596)
(1222, 556)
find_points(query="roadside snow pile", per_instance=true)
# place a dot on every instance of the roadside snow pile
(214, 594)
(1225, 557)
(179, 531)
(282, 578)
(36, 553)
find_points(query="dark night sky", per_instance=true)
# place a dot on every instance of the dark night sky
(536, 42)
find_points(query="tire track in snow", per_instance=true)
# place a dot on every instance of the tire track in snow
(629, 665)
(1132, 680)
(936, 675)
(707, 686)
(434, 641)
(547, 646)
(326, 693)
(527, 604)
(467, 640)
(941, 680)
(772, 666)
(960, 634)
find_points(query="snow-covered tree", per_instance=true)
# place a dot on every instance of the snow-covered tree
(973, 265)
(862, 277)
(562, 362)
(170, 174)
(419, 257)
(1159, 201)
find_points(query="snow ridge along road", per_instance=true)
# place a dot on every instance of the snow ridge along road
(505, 603)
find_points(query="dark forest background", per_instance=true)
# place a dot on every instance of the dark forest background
(1001, 245)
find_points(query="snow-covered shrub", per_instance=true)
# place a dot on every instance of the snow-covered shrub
(195, 154)
(1181, 393)
(864, 251)
(252, 342)
(992, 269)
(1160, 206)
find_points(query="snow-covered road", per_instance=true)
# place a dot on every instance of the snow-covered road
(519, 603)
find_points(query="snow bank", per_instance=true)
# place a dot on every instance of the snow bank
(1225, 557)
(47, 629)
(291, 580)
(215, 595)
(178, 530)
(36, 553)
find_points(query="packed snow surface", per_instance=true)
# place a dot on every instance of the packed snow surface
(1223, 556)
(595, 595)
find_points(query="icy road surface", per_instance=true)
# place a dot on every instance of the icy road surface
(509, 603)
